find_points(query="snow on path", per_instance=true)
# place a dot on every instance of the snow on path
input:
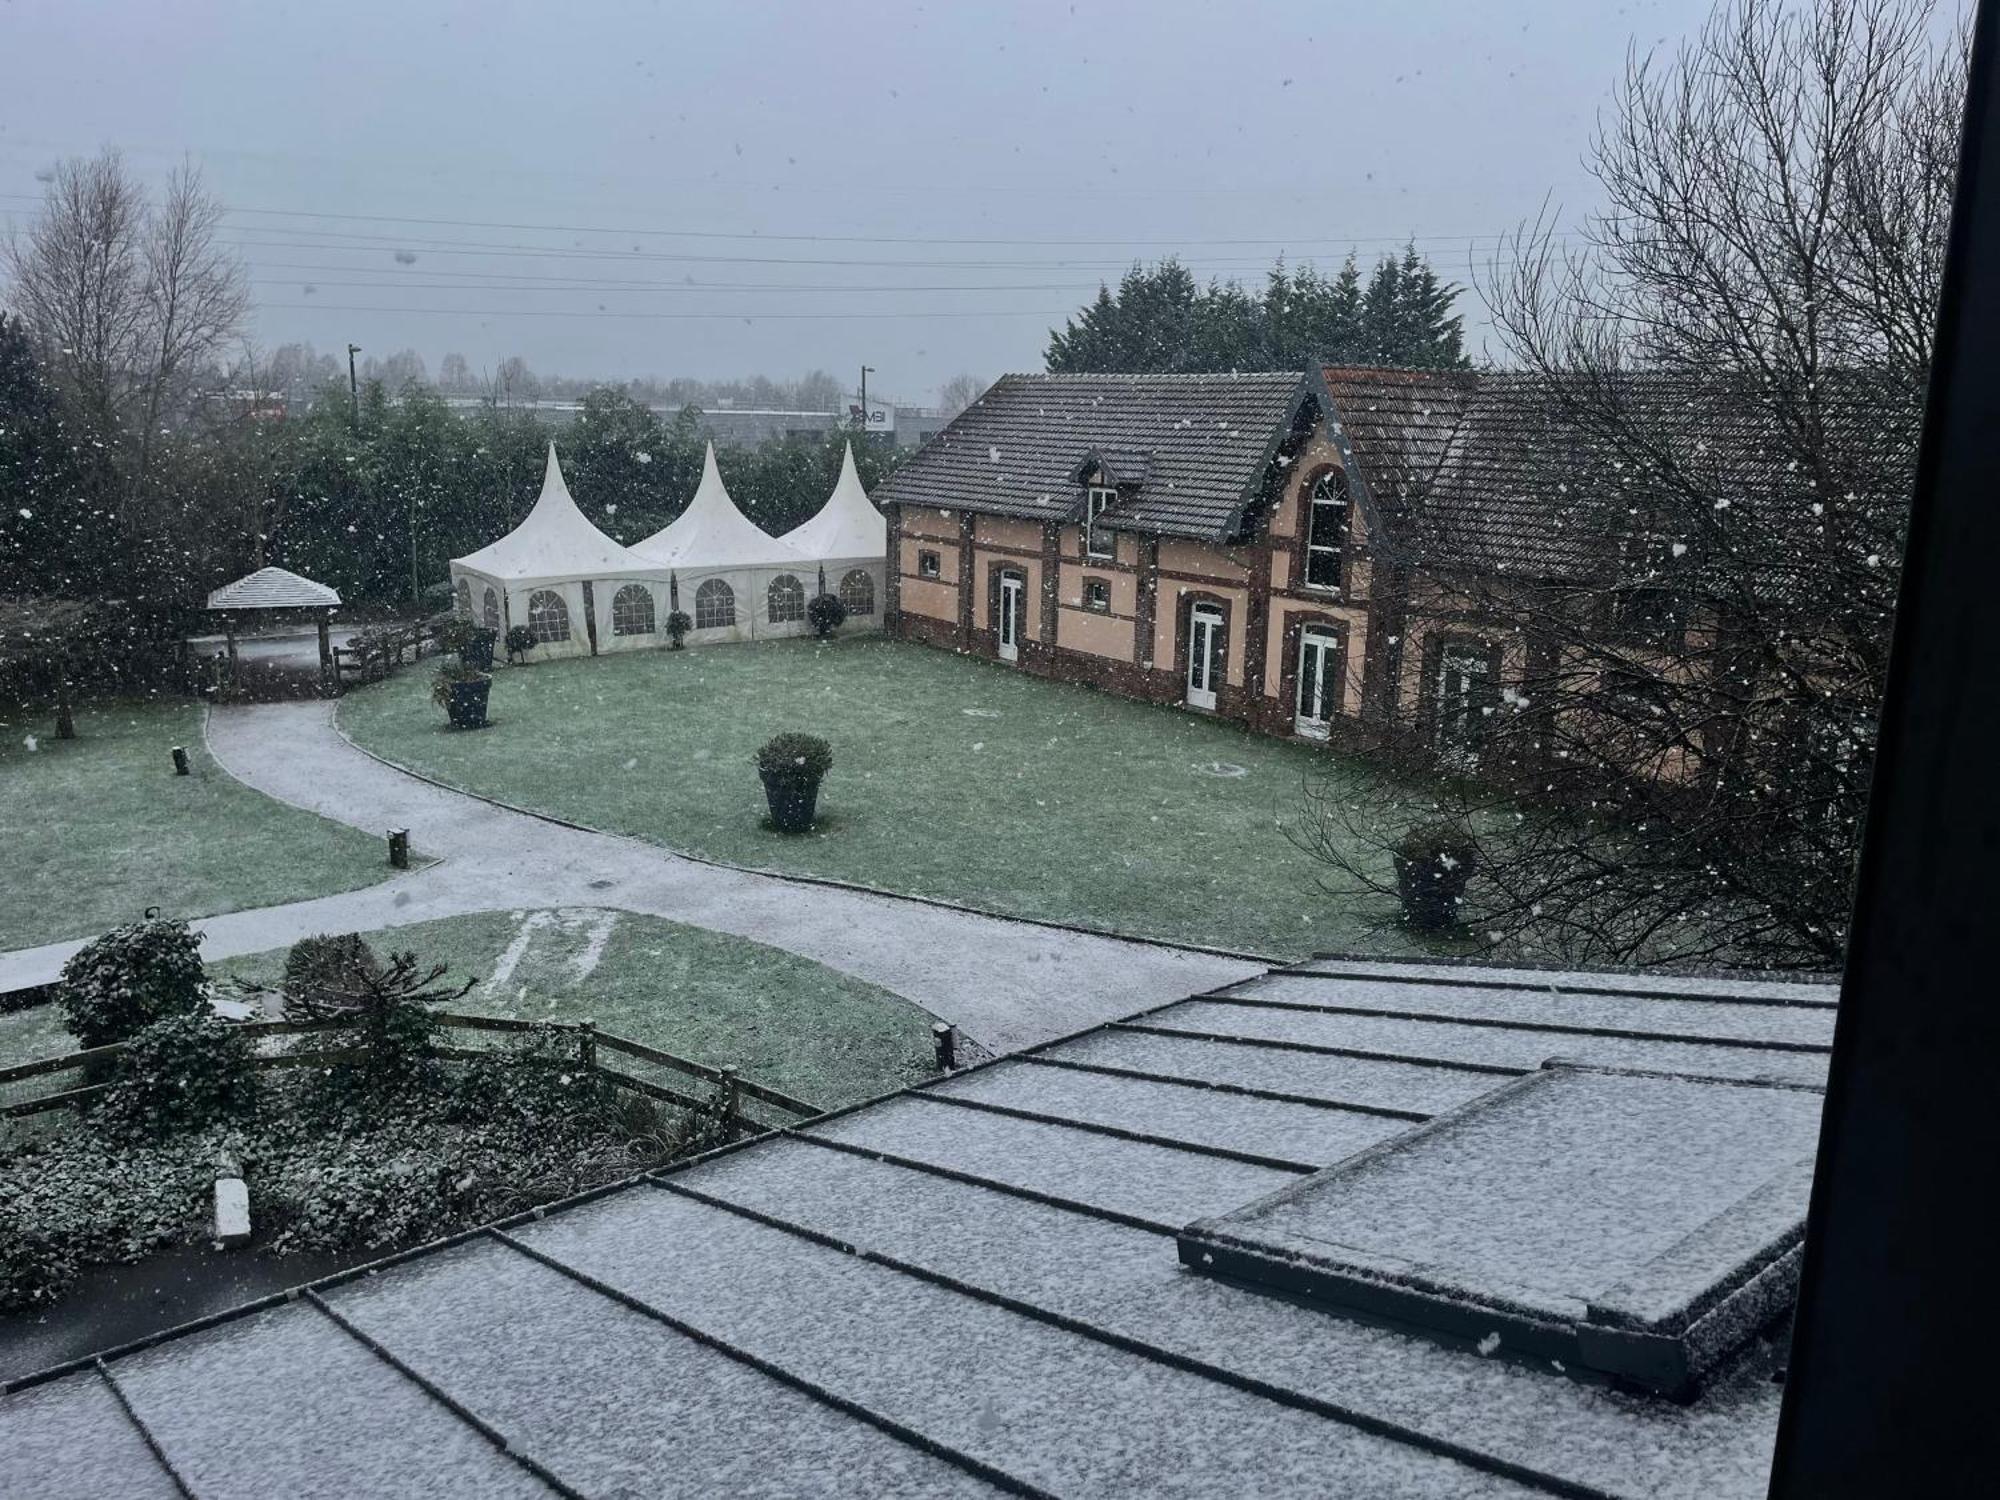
(1005, 984)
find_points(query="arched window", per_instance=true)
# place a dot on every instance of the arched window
(714, 605)
(548, 617)
(786, 599)
(857, 592)
(1326, 531)
(632, 610)
(492, 609)
(464, 593)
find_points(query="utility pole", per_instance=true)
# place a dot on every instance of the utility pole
(866, 371)
(353, 385)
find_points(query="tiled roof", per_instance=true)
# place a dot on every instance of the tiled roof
(969, 1287)
(1199, 445)
(273, 588)
(1482, 470)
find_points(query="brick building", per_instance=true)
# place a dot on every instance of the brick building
(1235, 543)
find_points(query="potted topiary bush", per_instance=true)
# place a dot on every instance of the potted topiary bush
(461, 690)
(792, 766)
(678, 625)
(453, 631)
(826, 614)
(1434, 864)
(520, 641)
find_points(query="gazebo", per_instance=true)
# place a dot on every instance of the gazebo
(849, 541)
(735, 581)
(575, 588)
(275, 589)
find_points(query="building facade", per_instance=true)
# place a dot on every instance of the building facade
(1202, 540)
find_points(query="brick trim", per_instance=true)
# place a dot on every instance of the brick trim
(1296, 623)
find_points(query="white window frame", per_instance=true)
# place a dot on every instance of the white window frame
(930, 564)
(1096, 502)
(1325, 496)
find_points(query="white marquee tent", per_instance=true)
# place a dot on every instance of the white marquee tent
(574, 587)
(848, 541)
(735, 581)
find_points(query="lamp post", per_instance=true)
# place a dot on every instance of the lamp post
(353, 385)
(866, 371)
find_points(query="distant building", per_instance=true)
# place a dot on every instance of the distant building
(747, 426)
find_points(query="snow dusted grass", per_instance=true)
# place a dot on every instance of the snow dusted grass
(99, 828)
(787, 1022)
(952, 778)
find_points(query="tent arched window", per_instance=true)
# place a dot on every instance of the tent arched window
(714, 605)
(786, 598)
(632, 610)
(492, 608)
(548, 617)
(464, 593)
(857, 592)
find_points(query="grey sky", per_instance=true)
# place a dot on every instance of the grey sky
(1144, 129)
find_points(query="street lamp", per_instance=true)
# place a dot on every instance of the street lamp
(353, 386)
(866, 371)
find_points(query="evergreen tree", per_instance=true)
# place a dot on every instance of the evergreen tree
(1160, 321)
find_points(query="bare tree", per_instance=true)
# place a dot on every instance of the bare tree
(960, 392)
(1717, 410)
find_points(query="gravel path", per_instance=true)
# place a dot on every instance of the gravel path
(1004, 984)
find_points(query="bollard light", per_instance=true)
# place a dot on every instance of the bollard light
(945, 1037)
(180, 761)
(399, 848)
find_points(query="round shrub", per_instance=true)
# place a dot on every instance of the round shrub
(131, 977)
(826, 614)
(184, 1072)
(678, 625)
(803, 757)
(520, 640)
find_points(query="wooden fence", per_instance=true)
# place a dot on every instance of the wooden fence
(377, 653)
(749, 1107)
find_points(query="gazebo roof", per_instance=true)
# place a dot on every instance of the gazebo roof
(273, 588)
(555, 542)
(713, 533)
(847, 526)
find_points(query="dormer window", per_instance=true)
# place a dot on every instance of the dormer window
(1097, 542)
(1326, 531)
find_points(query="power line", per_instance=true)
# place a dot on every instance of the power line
(744, 317)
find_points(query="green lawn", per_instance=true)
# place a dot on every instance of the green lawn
(952, 778)
(787, 1022)
(99, 828)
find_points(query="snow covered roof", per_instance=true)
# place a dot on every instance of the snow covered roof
(847, 526)
(713, 533)
(555, 542)
(975, 1282)
(273, 588)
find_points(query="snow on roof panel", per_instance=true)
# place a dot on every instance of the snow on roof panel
(273, 588)
(70, 1440)
(1369, 1083)
(575, 1361)
(1130, 1177)
(713, 533)
(1043, 1404)
(1662, 1016)
(232, 1415)
(847, 527)
(1117, 1278)
(1581, 1216)
(1178, 1111)
(1485, 1046)
(555, 542)
(1803, 991)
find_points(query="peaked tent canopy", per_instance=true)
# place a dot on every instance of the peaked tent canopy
(847, 526)
(712, 534)
(273, 588)
(555, 543)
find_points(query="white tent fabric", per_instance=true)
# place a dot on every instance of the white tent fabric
(733, 579)
(579, 590)
(555, 544)
(712, 534)
(849, 541)
(847, 527)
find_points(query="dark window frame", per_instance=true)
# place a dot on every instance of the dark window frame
(1102, 586)
(930, 564)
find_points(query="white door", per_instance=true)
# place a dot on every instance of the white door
(1013, 592)
(1205, 655)
(1318, 650)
